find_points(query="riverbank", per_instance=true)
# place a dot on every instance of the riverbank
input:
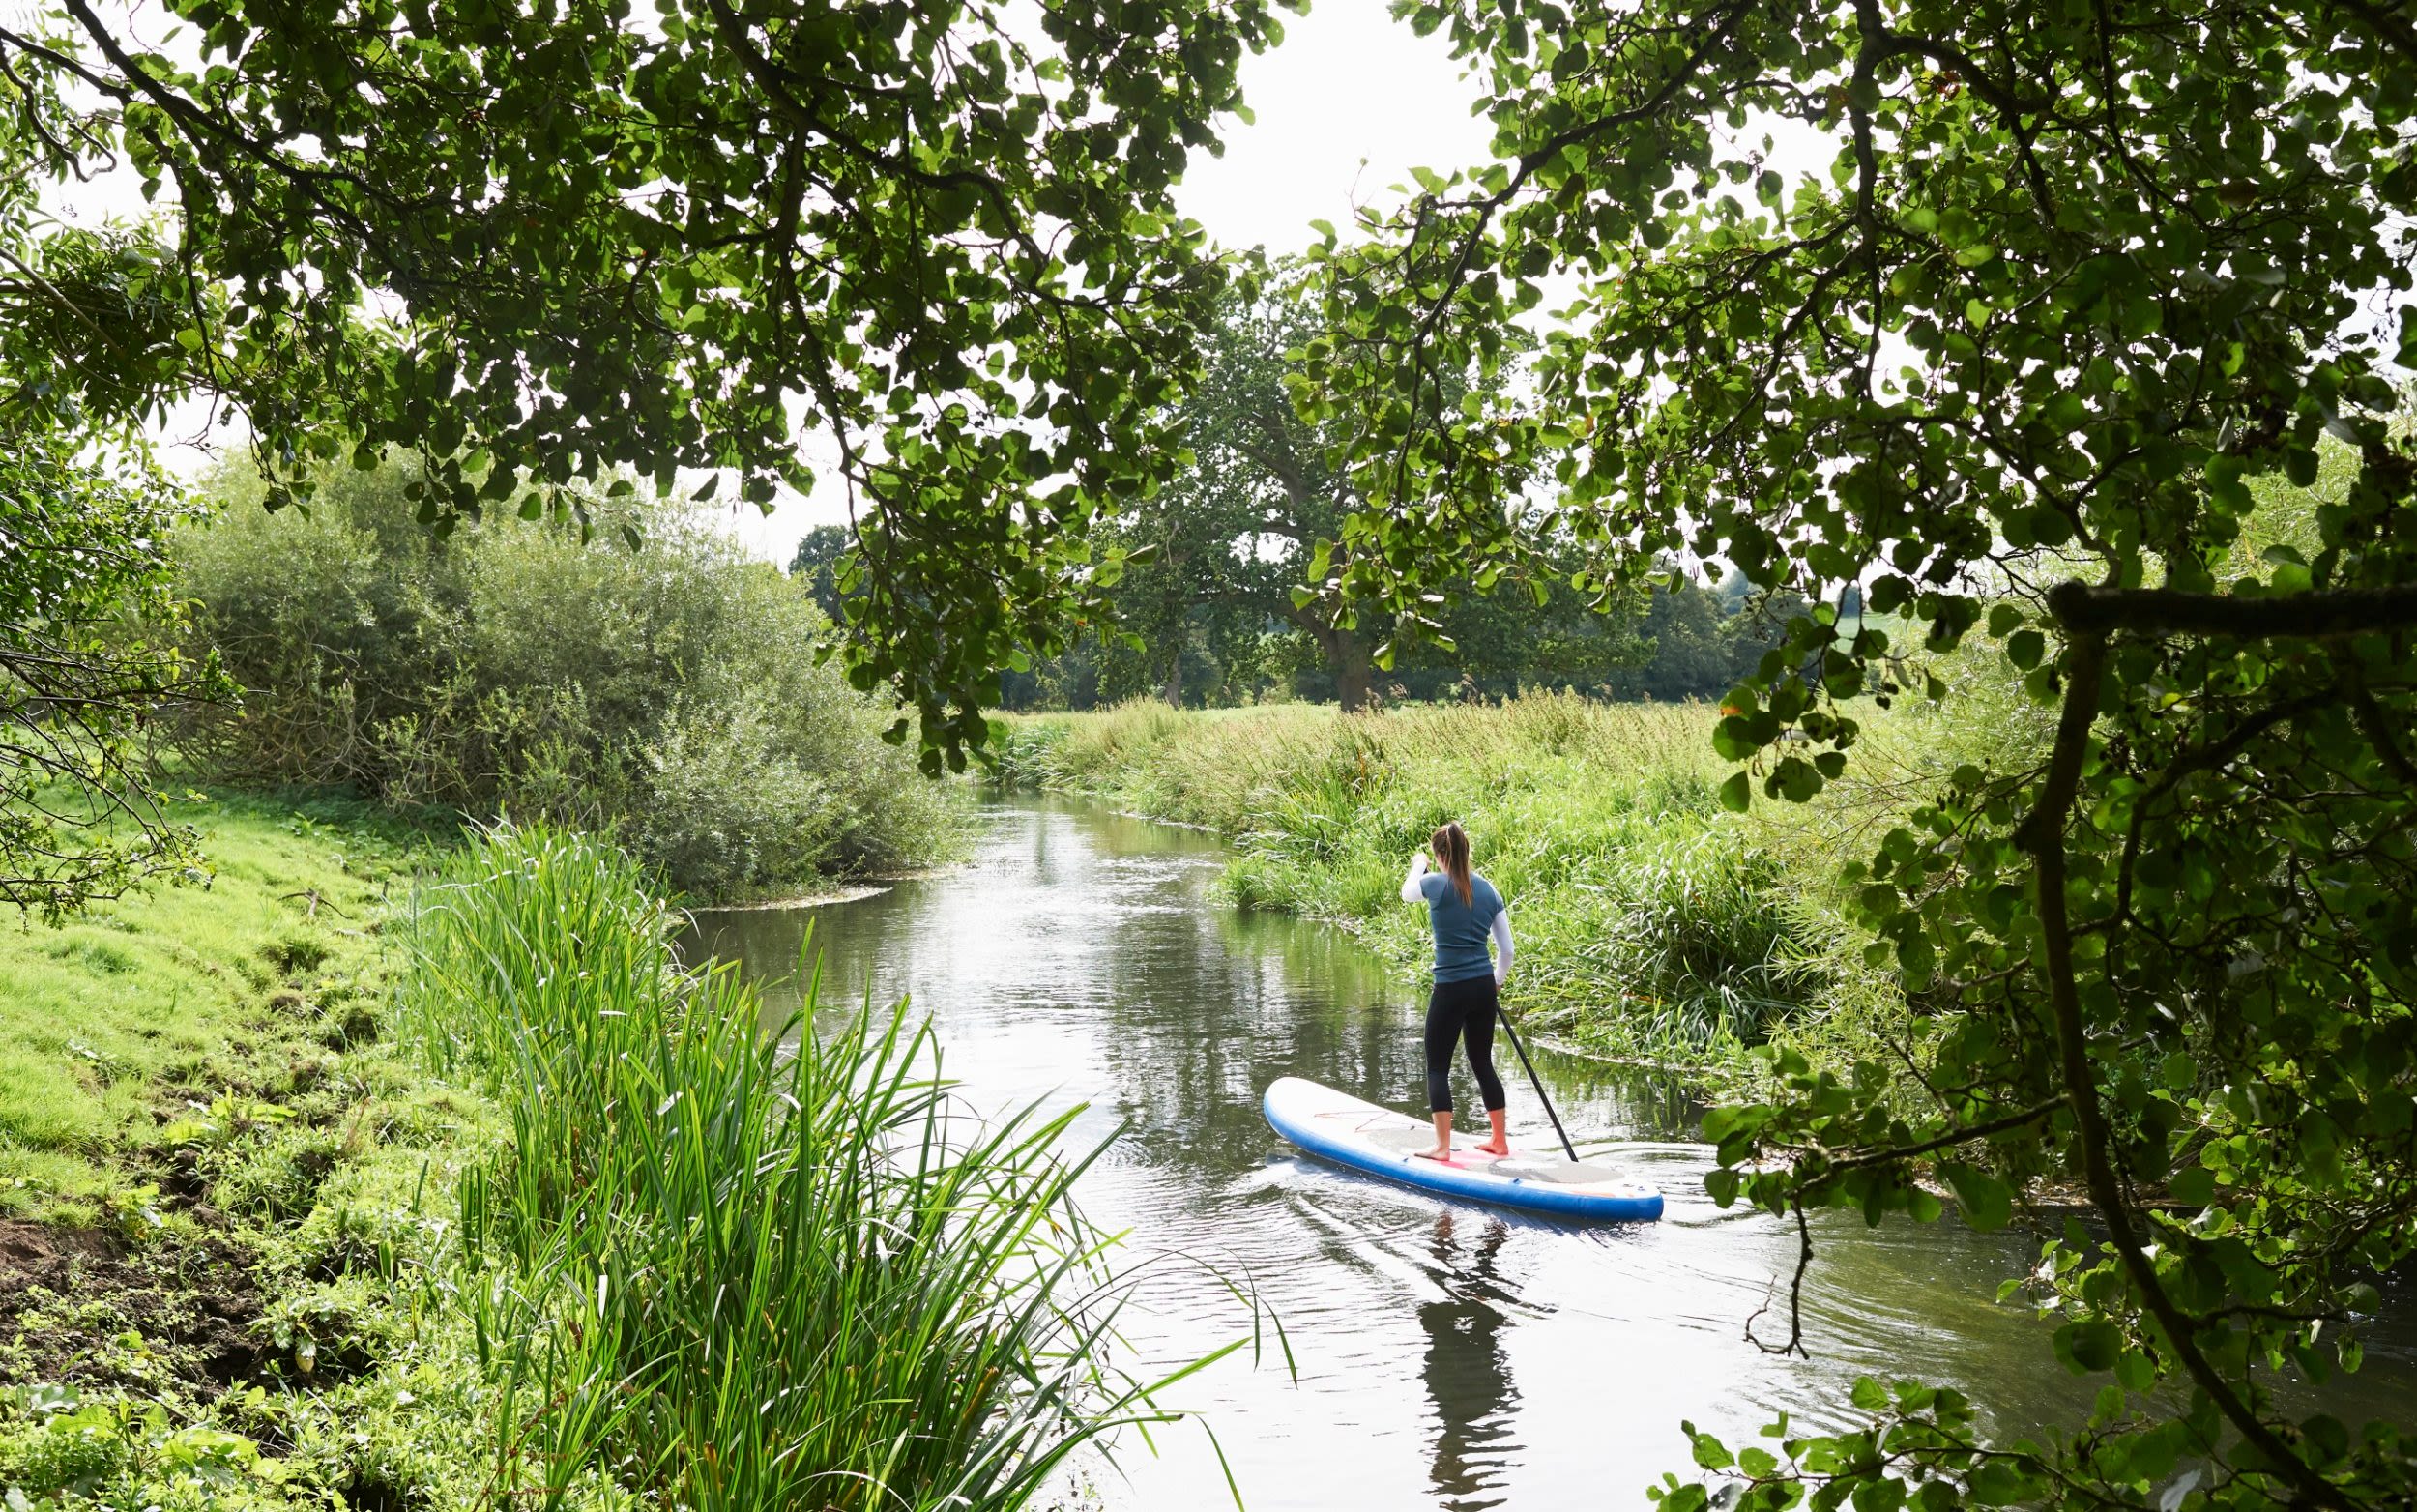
(390, 1170)
(223, 1192)
(1652, 924)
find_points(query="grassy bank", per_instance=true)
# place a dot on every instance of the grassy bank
(722, 1274)
(390, 1175)
(1651, 921)
(222, 1194)
(114, 1024)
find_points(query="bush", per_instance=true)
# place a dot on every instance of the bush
(667, 693)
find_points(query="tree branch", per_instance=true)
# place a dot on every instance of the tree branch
(2042, 834)
(2088, 611)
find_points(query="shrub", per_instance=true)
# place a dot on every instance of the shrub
(669, 693)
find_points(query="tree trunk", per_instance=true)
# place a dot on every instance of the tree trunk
(1346, 656)
(1354, 675)
(1174, 680)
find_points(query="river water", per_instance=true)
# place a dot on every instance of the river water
(1448, 1356)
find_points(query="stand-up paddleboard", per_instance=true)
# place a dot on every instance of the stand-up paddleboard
(1342, 1128)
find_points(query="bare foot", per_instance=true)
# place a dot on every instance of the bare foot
(1441, 1153)
(1488, 1147)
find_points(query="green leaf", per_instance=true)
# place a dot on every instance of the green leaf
(1734, 794)
(1710, 1453)
(2090, 1345)
(1986, 1201)
(2193, 1186)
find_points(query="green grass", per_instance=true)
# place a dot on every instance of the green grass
(177, 994)
(726, 1274)
(1651, 923)
(226, 1276)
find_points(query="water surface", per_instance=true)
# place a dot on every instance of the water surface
(1449, 1355)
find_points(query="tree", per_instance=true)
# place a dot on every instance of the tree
(88, 623)
(88, 667)
(546, 242)
(2077, 276)
(819, 561)
(1531, 631)
(1253, 502)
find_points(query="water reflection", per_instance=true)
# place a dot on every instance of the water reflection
(1449, 1357)
(1468, 1373)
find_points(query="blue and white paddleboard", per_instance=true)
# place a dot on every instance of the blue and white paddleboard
(1342, 1128)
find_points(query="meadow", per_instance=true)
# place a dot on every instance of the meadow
(1651, 923)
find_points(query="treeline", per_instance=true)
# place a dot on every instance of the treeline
(1694, 638)
(1204, 613)
(1691, 640)
(665, 692)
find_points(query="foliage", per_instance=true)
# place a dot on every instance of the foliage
(1684, 640)
(80, 686)
(2076, 277)
(556, 242)
(792, 1276)
(1231, 533)
(1212, 590)
(1649, 921)
(668, 691)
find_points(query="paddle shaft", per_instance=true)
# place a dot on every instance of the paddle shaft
(1535, 1083)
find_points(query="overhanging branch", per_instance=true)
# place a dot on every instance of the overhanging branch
(2315, 616)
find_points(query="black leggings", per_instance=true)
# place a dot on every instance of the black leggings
(1461, 1010)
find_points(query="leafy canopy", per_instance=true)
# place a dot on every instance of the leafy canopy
(88, 620)
(2075, 276)
(88, 659)
(544, 243)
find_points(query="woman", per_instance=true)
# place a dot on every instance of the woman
(1463, 909)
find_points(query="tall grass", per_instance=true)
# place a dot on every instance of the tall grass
(1650, 921)
(715, 1272)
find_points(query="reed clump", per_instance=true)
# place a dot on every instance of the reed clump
(721, 1267)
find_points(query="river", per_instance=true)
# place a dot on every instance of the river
(1448, 1357)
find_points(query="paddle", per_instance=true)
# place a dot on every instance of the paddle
(1533, 1082)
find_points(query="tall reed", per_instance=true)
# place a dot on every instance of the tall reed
(720, 1268)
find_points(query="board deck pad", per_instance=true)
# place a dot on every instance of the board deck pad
(1520, 1164)
(1383, 1142)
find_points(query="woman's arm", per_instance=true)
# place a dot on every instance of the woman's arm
(1501, 946)
(1409, 883)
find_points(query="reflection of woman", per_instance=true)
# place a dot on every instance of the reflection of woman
(1464, 910)
(1467, 1371)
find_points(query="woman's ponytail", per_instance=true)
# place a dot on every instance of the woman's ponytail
(1451, 848)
